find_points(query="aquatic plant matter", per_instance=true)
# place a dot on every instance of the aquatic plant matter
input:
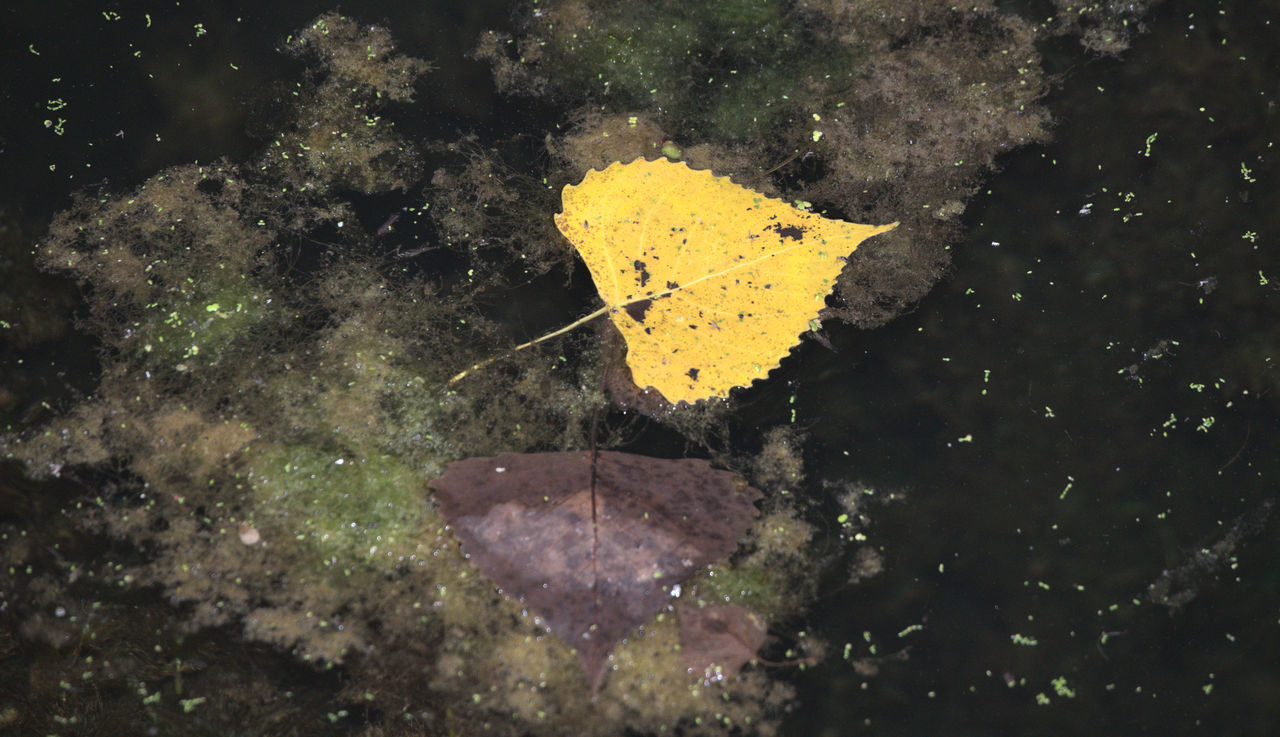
(337, 135)
(271, 405)
(593, 541)
(876, 111)
(1106, 27)
(710, 283)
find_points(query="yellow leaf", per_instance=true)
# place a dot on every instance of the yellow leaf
(710, 283)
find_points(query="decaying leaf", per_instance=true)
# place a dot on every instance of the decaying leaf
(715, 641)
(710, 283)
(593, 542)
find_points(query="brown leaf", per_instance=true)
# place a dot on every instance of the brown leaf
(716, 641)
(593, 546)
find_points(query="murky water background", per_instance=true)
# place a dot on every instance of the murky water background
(1086, 408)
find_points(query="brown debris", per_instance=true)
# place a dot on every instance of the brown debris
(593, 542)
(716, 641)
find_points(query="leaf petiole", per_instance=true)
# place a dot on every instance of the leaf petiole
(561, 331)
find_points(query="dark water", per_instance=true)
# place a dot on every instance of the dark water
(1084, 405)
(1085, 408)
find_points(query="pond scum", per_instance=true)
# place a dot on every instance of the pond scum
(273, 402)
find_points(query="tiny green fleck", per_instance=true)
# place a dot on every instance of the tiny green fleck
(1061, 688)
(189, 705)
(1150, 140)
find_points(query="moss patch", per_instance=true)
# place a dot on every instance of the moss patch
(872, 111)
(274, 402)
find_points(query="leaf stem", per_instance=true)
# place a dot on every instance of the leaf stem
(561, 331)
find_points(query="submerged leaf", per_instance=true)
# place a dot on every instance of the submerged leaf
(710, 283)
(593, 542)
(715, 641)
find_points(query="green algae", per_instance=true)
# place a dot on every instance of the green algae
(725, 68)
(206, 318)
(278, 401)
(874, 111)
(276, 389)
(204, 439)
(336, 135)
(381, 499)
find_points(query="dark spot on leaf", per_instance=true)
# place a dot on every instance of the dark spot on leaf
(644, 275)
(637, 309)
(794, 232)
(672, 285)
(693, 374)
